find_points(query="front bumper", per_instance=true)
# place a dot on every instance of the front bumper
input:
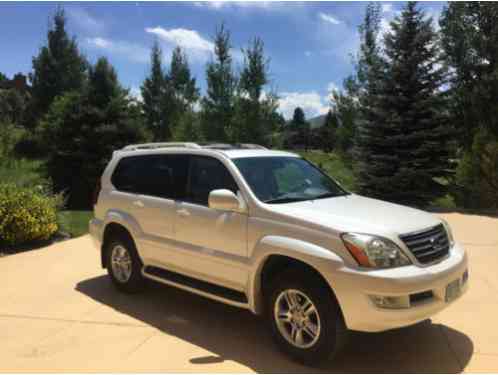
(353, 288)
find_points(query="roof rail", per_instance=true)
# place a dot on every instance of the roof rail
(149, 146)
(252, 146)
(219, 146)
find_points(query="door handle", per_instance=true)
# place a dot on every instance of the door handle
(138, 204)
(183, 212)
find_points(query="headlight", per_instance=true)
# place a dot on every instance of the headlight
(448, 232)
(374, 252)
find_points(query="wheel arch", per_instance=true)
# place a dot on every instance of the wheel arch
(273, 254)
(111, 230)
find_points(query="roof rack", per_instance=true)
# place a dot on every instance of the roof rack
(211, 146)
(149, 146)
(251, 146)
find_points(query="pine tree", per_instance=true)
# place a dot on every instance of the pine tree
(300, 128)
(153, 90)
(470, 38)
(253, 121)
(408, 150)
(83, 128)
(181, 93)
(346, 110)
(327, 132)
(219, 103)
(58, 68)
(370, 137)
(103, 84)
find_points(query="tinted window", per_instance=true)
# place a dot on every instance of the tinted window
(155, 175)
(207, 174)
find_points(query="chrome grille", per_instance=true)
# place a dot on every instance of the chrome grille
(428, 245)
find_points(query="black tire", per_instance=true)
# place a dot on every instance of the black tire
(136, 282)
(333, 331)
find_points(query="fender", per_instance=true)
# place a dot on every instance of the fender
(124, 219)
(319, 258)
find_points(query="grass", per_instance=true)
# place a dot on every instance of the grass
(74, 222)
(334, 166)
(22, 172)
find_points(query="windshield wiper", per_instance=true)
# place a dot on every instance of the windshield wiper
(285, 200)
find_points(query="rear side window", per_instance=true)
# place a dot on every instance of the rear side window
(207, 174)
(163, 176)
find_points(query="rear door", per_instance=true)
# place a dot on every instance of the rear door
(146, 187)
(162, 180)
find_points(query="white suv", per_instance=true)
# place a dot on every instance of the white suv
(268, 231)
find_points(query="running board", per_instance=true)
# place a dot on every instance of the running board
(203, 288)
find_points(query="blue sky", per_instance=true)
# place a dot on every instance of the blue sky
(309, 44)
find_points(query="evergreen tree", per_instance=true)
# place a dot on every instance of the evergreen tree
(83, 128)
(327, 132)
(470, 39)
(103, 84)
(371, 128)
(254, 114)
(219, 103)
(408, 152)
(153, 91)
(58, 68)
(346, 110)
(301, 129)
(181, 93)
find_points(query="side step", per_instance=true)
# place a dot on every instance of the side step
(197, 286)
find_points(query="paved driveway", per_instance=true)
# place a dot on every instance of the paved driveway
(58, 312)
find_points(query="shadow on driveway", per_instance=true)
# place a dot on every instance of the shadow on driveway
(237, 335)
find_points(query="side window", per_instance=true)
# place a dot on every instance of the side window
(207, 174)
(163, 176)
(127, 173)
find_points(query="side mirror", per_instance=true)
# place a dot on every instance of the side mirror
(224, 200)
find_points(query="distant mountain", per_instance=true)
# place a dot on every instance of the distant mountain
(317, 121)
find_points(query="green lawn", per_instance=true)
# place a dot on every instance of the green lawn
(74, 222)
(333, 165)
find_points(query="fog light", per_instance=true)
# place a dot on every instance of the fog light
(391, 302)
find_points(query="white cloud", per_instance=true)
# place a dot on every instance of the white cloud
(190, 40)
(329, 18)
(132, 51)
(84, 20)
(217, 5)
(332, 87)
(387, 8)
(311, 102)
(385, 27)
(136, 93)
(195, 45)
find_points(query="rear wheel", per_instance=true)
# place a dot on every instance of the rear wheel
(306, 321)
(124, 265)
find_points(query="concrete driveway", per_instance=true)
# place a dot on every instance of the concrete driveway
(58, 312)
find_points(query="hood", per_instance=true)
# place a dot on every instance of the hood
(355, 213)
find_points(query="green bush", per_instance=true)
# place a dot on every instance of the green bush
(26, 214)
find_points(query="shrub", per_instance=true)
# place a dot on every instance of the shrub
(27, 214)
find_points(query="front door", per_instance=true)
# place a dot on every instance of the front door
(215, 241)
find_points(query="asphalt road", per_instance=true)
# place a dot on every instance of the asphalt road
(59, 312)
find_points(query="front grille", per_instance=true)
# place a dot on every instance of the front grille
(428, 245)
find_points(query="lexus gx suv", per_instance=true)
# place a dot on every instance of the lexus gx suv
(270, 232)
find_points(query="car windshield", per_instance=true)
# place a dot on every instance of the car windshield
(281, 179)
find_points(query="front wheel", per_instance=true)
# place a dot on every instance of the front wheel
(306, 321)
